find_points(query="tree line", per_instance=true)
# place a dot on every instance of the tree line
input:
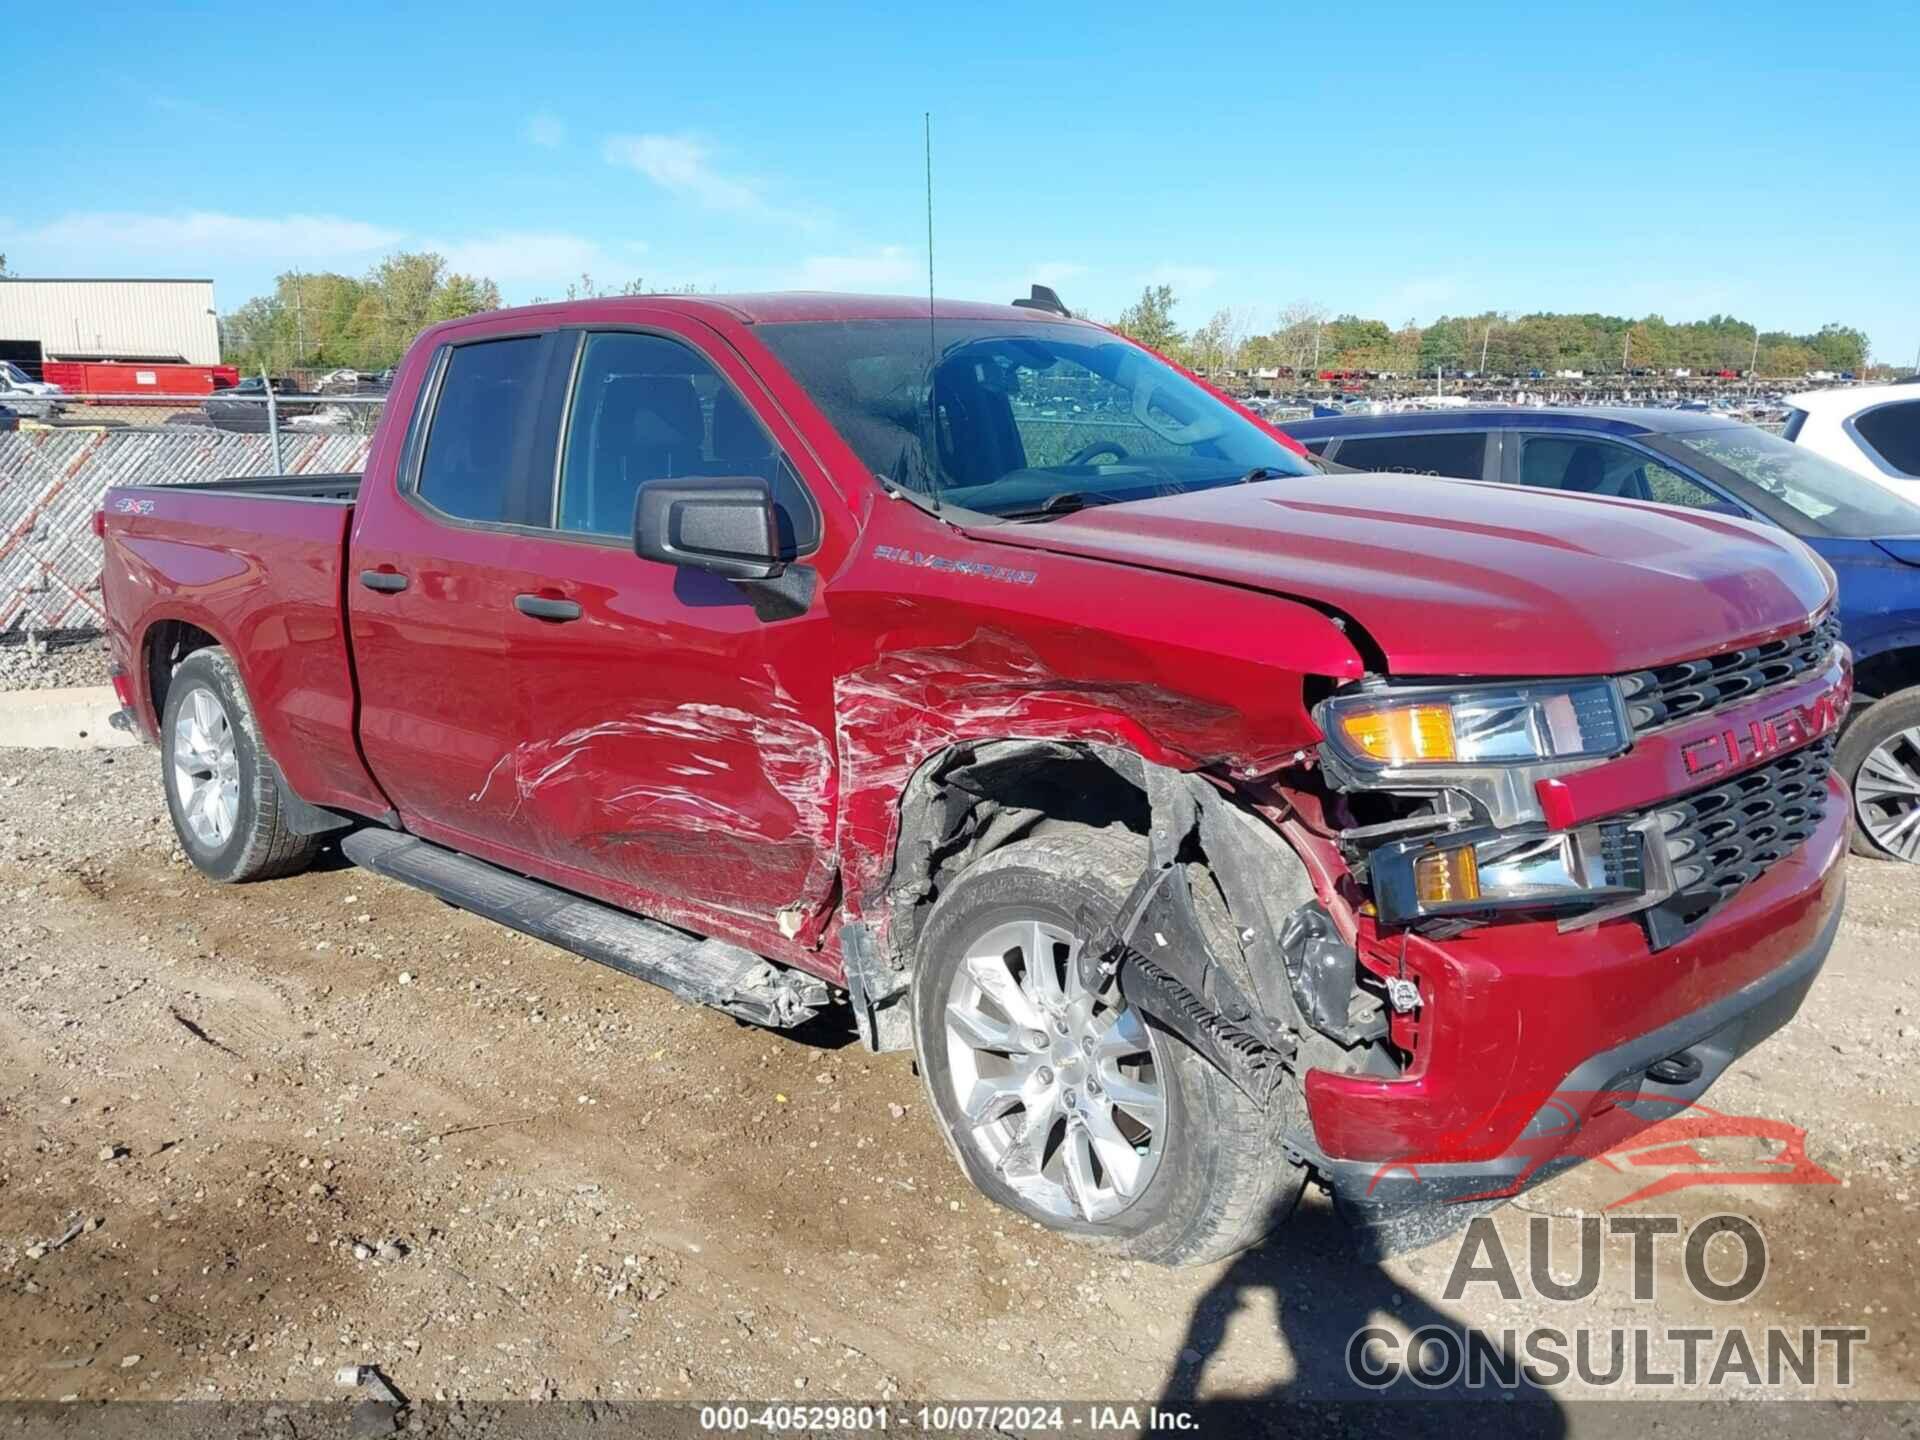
(324, 320)
(1307, 337)
(320, 320)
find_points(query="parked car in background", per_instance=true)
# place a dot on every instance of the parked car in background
(1869, 535)
(1873, 430)
(9, 419)
(29, 399)
(244, 407)
(15, 381)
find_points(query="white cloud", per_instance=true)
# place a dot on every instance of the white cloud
(683, 165)
(891, 267)
(552, 258)
(546, 130)
(1185, 279)
(1051, 273)
(242, 253)
(1423, 297)
(192, 238)
(1055, 272)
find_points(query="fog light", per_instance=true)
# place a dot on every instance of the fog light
(1508, 870)
(1446, 877)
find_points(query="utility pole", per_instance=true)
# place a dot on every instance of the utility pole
(1484, 339)
(1753, 365)
(1626, 349)
(299, 322)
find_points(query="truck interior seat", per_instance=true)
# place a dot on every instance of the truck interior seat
(649, 428)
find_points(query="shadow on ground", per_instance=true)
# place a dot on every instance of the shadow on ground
(1312, 1277)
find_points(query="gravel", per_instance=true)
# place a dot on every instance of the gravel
(715, 1221)
(27, 663)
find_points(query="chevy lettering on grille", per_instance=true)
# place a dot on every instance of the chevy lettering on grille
(1762, 738)
(1706, 747)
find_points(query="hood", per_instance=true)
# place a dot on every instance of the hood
(1463, 578)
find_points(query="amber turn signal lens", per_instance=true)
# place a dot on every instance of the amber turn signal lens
(1447, 877)
(1404, 734)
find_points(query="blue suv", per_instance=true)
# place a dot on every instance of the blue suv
(1870, 536)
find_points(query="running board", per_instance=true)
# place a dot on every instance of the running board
(707, 972)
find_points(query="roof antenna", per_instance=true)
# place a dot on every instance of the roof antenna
(933, 345)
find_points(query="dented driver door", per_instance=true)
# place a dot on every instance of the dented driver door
(678, 753)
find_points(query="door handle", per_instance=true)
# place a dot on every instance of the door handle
(545, 607)
(388, 581)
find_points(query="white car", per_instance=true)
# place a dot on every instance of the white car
(15, 381)
(1873, 430)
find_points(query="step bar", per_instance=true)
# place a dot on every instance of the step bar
(706, 972)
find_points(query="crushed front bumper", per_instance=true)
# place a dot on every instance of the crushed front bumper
(1541, 1046)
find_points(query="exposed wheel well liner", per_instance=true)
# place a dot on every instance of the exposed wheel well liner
(1243, 878)
(167, 643)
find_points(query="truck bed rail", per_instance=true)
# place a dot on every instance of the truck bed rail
(344, 486)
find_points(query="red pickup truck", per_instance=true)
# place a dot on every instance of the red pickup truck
(1204, 823)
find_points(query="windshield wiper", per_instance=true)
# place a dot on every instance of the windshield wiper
(1065, 503)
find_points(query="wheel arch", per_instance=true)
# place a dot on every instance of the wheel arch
(163, 644)
(1887, 672)
(978, 796)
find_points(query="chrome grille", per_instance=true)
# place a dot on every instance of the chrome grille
(1693, 687)
(1721, 839)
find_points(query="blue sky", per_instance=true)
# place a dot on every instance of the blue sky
(1397, 161)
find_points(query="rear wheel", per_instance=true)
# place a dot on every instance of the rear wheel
(1879, 758)
(1066, 1104)
(221, 788)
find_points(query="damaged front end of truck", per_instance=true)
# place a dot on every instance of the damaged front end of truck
(1412, 943)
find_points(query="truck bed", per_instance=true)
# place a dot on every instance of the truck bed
(259, 564)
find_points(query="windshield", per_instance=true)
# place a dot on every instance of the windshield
(12, 372)
(1027, 420)
(1835, 499)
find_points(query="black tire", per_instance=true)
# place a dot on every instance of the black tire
(1222, 1180)
(1865, 733)
(259, 845)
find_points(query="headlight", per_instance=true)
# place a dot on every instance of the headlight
(1419, 879)
(1505, 725)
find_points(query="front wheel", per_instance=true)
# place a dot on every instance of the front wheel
(1067, 1105)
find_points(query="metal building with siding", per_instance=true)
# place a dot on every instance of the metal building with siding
(156, 321)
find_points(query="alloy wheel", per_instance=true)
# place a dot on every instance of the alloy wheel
(1886, 794)
(1057, 1086)
(206, 768)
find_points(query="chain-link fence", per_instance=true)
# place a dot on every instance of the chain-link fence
(58, 459)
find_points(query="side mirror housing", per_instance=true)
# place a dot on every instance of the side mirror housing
(723, 525)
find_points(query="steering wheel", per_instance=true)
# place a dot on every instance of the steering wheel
(1098, 447)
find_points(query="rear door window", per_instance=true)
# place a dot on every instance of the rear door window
(1458, 453)
(1894, 433)
(474, 463)
(648, 408)
(1603, 467)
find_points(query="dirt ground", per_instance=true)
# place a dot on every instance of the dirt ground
(249, 1135)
